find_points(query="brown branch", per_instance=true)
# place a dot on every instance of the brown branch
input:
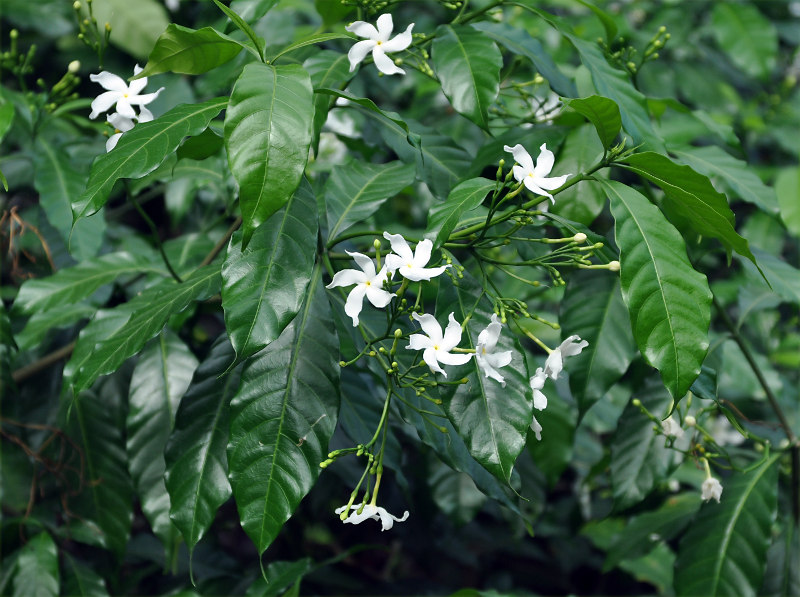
(27, 371)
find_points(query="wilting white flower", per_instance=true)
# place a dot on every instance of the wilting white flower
(712, 488)
(379, 43)
(367, 282)
(537, 429)
(533, 177)
(487, 358)
(120, 93)
(568, 348)
(537, 383)
(373, 512)
(122, 124)
(411, 265)
(671, 428)
(437, 346)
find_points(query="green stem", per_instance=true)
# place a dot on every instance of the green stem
(156, 238)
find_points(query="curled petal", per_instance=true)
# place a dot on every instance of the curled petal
(364, 262)
(385, 64)
(416, 274)
(519, 173)
(536, 428)
(430, 326)
(354, 303)
(573, 346)
(111, 143)
(385, 26)
(400, 41)
(422, 254)
(347, 277)
(530, 184)
(363, 29)
(110, 81)
(393, 262)
(378, 296)
(545, 161)
(124, 107)
(522, 157)
(142, 100)
(551, 184)
(452, 334)
(145, 115)
(359, 51)
(388, 520)
(137, 85)
(453, 358)
(419, 342)
(484, 362)
(103, 102)
(554, 364)
(490, 334)
(119, 122)
(400, 246)
(539, 400)
(429, 356)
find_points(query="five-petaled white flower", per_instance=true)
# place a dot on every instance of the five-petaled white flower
(436, 346)
(379, 43)
(487, 358)
(671, 427)
(411, 265)
(121, 94)
(537, 383)
(568, 348)
(367, 282)
(373, 512)
(711, 488)
(533, 177)
(122, 124)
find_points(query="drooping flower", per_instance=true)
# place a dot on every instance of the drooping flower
(671, 428)
(120, 93)
(367, 282)
(711, 488)
(437, 346)
(568, 348)
(537, 383)
(489, 360)
(534, 177)
(411, 265)
(122, 124)
(536, 428)
(379, 43)
(373, 512)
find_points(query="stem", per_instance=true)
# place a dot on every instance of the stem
(222, 242)
(27, 371)
(156, 238)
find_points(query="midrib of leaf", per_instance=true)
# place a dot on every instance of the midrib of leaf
(354, 200)
(269, 137)
(330, 70)
(184, 49)
(593, 354)
(165, 376)
(471, 75)
(89, 458)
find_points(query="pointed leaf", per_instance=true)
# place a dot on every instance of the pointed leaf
(724, 552)
(603, 113)
(326, 69)
(37, 568)
(243, 26)
(282, 419)
(197, 468)
(136, 25)
(787, 188)
(315, 38)
(747, 37)
(444, 217)
(264, 286)
(161, 376)
(669, 301)
(80, 580)
(357, 190)
(142, 149)
(467, 64)
(252, 10)
(189, 51)
(42, 323)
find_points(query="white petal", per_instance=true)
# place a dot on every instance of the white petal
(536, 428)
(385, 26)
(430, 326)
(124, 107)
(393, 262)
(422, 254)
(400, 41)
(487, 368)
(378, 297)
(419, 342)
(111, 143)
(519, 173)
(415, 274)
(363, 29)
(137, 85)
(354, 303)
(120, 122)
(551, 184)
(364, 262)
(400, 246)
(347, 277)
(368, 512)
(531, 185)
(142, 100)
(449, 358)
(545, 161)
(385, 64)
(359, 51)
(522, 157)
(554, 364)
(145, 115)
(103, 102)
(452, 334)
(537, 381)
(429, 356)
(110, 81)
(573, 345)
(539, 400)
(499, 359)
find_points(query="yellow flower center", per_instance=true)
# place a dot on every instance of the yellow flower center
(368, 283)
(379, 42)
(435, 347)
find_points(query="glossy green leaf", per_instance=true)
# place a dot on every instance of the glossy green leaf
(444, 217)
(135, 25)
(669, 301)
(161, 377)
(116, 334)
(356, 190)
(368, 105)
(78, 282)
(455, 493)
(735, 174)
(316, 38)
(6, 117)
(605, 19)
(252, 10)
(787, 188)
(493, 420)
(37, 568)
(467, 63)
(80, 580)
(692, 196)
(244, 27)
(593, 308)
(522, 43)
(206, 144)
(582, 202)
(265, 284)
(724, 552)
(42, 323)
(603, 113)
(197, 468)
(747, 36)
(267, 136)
(282, 419)
(639, 459)
(189, 51)
(326, 69)
(784, 279)
(3, 181)
(142, 149)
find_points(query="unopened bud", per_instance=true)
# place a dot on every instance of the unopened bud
(342, 364)
(690, 421)
(13, 34)
(538, 79)
(76, 5)
(613, 266)
(398, 332)
(579, 238)
(74, 66)
(376, 243)
(636, 402)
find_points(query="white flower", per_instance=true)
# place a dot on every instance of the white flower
(723, 433)
(173, 5)
(378, 41)
(569, 347)
(537, 429)
(437, 347)
(373, 512)
(411, 265)
(711, 489)
(534, 177)
(487, 358)
(121, 94)
(671, 428)
(367, 282)
(537, 383)
(122, 124)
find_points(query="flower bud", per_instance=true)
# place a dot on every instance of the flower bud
(74, 66)
(690, 421)
(376, 243)
(614, 266)
(637, 402)
(579, 238)
(76, 5)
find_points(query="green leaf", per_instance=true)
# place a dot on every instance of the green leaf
(639, 459)
(669, 301)
(189, 51)
(206, 144)
(582, 202)
(267, 136)
(593, 308)
(693, 197)
(554, 453)
(3, 181)
(264, 285)
(6, 117)
(316, 38)
(73, 284)
(282, 419)
(444, 217)
(783, 278)
(492, 420)
(735, 174)
(242, 25)
(279, 576)
(326, 69)
(369, 105)
(787, 188)
(81, 580)
(142, 149)
(116, 334)
(603, 113)
(161, 377)
(356, 190)
(748, 38)
(607, 21)
(724, 552)
(252, 10)
(135, 26)
(521, 42)
(467, 63)
(37, 568)
(455, 493)
(782, 576)
(41, 324)
(197, 468)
